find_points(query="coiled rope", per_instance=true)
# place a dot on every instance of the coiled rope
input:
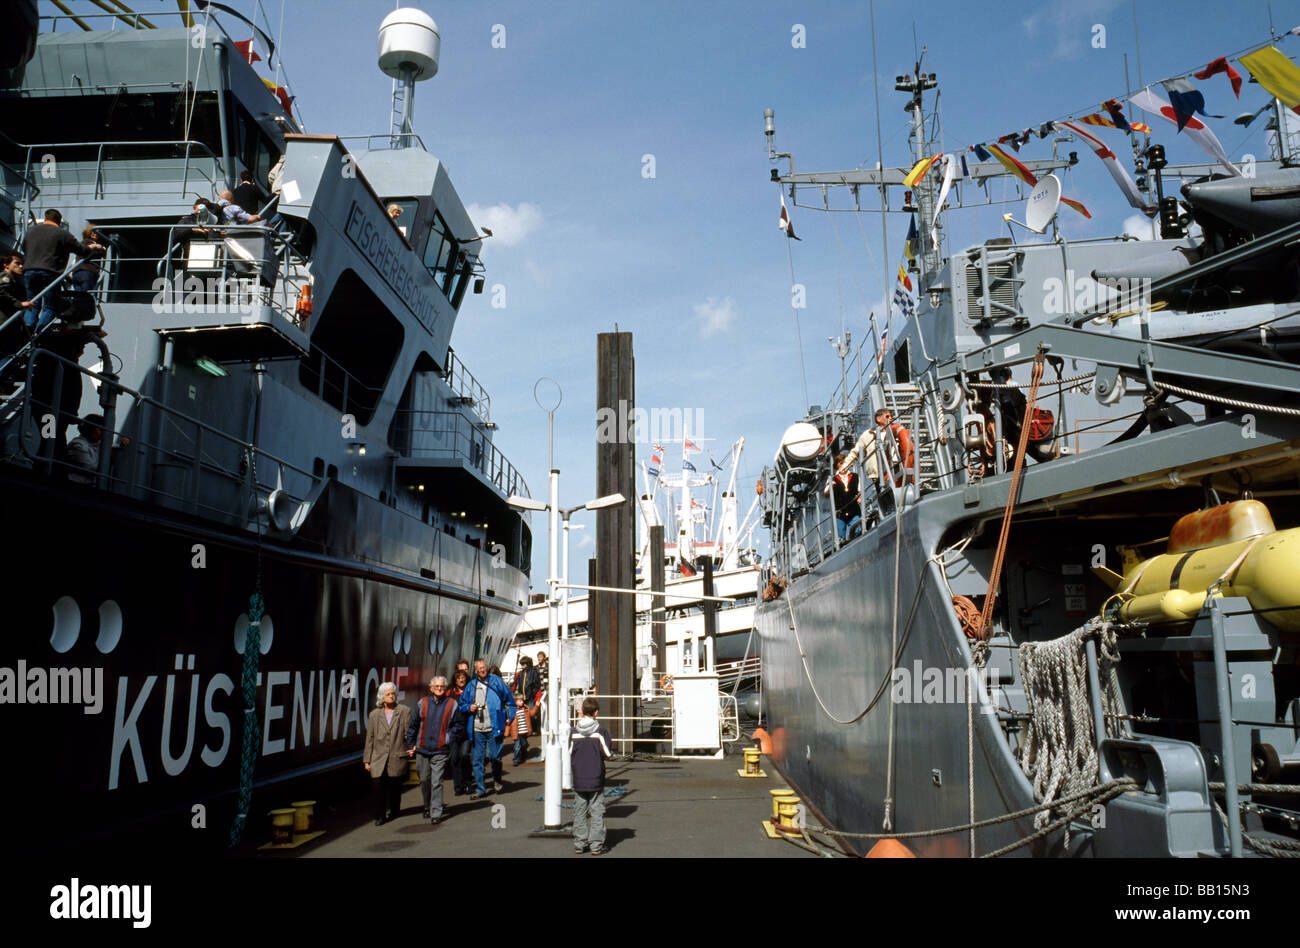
(1059, 755)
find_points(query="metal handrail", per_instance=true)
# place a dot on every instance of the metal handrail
(99, 146)
(463, 383)
(200, 462)
(385, 140)
(72, 265)
(481, 454)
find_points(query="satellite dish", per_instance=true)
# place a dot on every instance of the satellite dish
(1043, 202)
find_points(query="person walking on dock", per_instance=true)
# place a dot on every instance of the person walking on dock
(489, 707)
(462, 777)
(589, 748)
(386, 752)
(430, 733)
(527, 684)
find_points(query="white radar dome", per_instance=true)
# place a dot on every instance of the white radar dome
(408, 39)
(801, 442)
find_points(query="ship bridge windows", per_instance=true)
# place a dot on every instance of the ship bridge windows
(447, 261)
(257, 152)
(155, 121)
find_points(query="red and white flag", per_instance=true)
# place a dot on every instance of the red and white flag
(784, 222)
(1148, 101)
(246, 50)
(1114, 167)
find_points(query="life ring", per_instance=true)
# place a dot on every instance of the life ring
(666, 683)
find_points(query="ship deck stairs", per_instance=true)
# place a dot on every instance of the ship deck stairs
(904, 400)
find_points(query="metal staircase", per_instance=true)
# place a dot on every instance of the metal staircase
(900, 399)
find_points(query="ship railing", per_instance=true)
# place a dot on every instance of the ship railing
(163, 455)
(194, 156)
(13, 320)
(467, 387)
(653, 725)
(18, 189)
(450, 435)
(383, 141)
(732, 673)
(241, 280)
(337, 386)
(207, 20)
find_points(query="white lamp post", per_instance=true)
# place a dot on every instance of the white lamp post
(567, 777)
(552, 817)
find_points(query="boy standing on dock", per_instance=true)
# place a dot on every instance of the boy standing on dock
(589, 748)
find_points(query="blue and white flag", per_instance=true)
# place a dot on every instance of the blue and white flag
(904, 301)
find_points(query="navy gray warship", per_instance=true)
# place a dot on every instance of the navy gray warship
(286, 434)
(1070, 622)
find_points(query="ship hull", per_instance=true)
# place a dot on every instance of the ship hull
(149, 608)
(828, 691)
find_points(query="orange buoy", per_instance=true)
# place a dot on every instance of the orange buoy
(778, 744)
(764, 742)
(890, 849)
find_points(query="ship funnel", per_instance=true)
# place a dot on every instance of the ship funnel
(409, 45)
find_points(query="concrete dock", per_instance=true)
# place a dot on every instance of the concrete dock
(682, 808)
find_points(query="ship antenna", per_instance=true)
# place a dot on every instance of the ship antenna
(880, 164)
(409, 45)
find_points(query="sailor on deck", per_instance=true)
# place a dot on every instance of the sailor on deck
(897, 448)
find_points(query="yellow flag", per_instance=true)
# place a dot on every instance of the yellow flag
(1276, 73)
(918, 172)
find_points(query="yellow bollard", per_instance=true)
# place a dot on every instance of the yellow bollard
(752, 767)
(777, 796)
(282, 826)
(302, 814)
(788, 817)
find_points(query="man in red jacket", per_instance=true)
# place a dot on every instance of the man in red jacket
(430, 733)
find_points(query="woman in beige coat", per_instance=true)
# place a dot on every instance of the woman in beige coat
(386, 752)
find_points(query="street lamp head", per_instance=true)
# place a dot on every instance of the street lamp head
(609, 500)
(525, 503)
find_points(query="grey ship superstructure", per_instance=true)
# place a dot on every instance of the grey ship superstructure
(891, 708)
(287, 419)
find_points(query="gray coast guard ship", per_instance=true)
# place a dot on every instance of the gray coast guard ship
(1114, 654)
(287, 421)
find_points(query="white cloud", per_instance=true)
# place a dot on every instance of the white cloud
(715, 315)
(1139, 226)
(509, 225)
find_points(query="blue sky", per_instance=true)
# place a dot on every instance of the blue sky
(545, 137)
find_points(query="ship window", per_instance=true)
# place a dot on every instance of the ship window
(463, 270)
(441, 254)
(405, 222)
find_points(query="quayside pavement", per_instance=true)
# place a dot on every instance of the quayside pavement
(684, 808)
